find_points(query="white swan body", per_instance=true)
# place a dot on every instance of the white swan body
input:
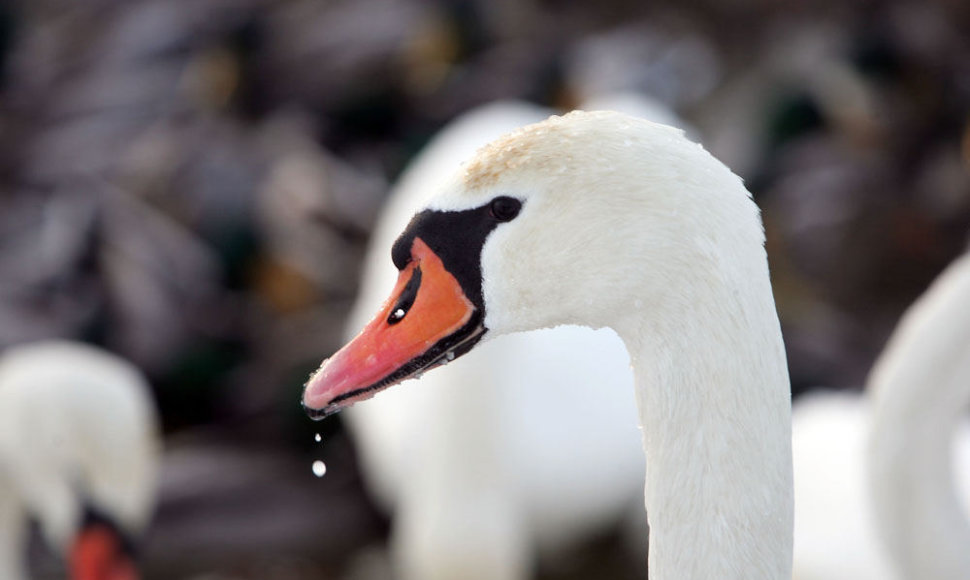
(834, 535)
(78, 432)
(837, 536)
(516, 420)
(601, 219)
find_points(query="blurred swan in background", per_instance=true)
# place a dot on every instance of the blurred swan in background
(876, 494)
(505, 453)
(920, 390)
(79, 448)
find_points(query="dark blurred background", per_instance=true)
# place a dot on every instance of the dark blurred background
(191, 184)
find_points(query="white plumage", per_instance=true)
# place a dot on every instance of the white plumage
(77, 429)
(627, 224)
(920, 438)
(834, 536)
(528, 442)
(882, 480)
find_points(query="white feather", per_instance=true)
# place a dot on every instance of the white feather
(76, 424)
(627, 224)
(533, 437)
(882, 480)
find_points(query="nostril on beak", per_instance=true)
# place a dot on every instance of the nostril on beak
(406, 300)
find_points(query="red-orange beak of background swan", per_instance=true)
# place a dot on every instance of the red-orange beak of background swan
(426, 320)
(97, 554)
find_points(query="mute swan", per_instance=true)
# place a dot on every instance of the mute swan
(920, 389)
(901, 518)
(601, 219)
(78, 452)
(507, 437)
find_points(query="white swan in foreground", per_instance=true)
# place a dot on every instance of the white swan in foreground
(601, 219)
(529, 440)
(901, 519)
(78, 452)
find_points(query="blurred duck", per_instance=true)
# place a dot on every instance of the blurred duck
(78, 453)
(526, 445)
(876, 476)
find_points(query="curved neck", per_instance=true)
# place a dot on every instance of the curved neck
(920, 388)
(13, 537)
(715, 409)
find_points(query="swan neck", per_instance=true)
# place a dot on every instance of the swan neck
(715, 410)
(920, 388)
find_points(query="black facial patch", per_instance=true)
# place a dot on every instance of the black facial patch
(457, 237)
(93, 517)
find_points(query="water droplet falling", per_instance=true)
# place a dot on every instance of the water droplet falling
(319, 468)
(317, 438)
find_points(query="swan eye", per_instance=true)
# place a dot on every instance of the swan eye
(504, 208)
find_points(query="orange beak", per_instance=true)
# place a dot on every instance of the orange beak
(427, 322)
(97, 554)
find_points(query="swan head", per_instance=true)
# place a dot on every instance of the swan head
(592, 218)
(100, 551)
